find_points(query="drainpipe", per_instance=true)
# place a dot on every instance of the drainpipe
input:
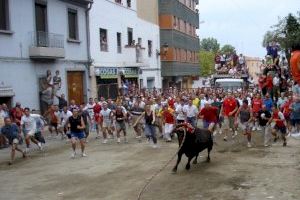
(88, 39)
(88, 43)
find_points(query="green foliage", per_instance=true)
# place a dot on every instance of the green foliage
(286, 32)
(227, 49)
(207, 63)
(209, 44)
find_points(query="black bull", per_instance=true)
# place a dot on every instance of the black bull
(193, 144)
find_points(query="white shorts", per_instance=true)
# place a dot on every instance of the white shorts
(169, 128)
(106, 124)
(245, 126)
(15, 141)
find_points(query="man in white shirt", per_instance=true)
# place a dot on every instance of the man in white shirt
(90, 108)
(191, 113)
(64, 116)
(28, 126)
(106, 115)
(180, 112)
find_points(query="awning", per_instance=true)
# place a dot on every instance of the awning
(6, 91)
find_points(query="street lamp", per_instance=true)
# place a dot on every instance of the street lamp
(165, 48)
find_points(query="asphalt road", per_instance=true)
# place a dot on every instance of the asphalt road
(118, 172)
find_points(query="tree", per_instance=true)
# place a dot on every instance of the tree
(286, 32)
(227, 49)
(207, 62)
(209, 44)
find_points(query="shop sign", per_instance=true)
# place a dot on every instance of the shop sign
(112, 72)
(107, 72)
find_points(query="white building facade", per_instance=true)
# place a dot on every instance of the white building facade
(122, 41)
(39, 37)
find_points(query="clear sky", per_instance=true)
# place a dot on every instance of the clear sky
(242, 23)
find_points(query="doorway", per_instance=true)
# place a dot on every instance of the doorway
(75, 86)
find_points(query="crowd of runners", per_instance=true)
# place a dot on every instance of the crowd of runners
(271, 109)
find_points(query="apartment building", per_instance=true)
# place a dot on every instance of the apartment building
(39, 45)
(124, 40)
(178, 20)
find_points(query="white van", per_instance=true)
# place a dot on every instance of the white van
(229, 83)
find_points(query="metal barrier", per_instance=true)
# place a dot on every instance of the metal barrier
(45, 39)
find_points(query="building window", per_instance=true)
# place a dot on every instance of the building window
(130, 37)
(179, 24)
(103, 40)
(119, 43)
(190, 3)
(118, 1)
(4, 19)
(149, 48)
(73, 24)
(185, 26)
(129, 3)
(140, 41)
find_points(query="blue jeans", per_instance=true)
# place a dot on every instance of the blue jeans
(205, 124)
(150, 132)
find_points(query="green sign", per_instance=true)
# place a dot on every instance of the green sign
(112, 72)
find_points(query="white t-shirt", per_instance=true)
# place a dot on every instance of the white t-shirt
(65, 116)
(180, 112)
(90, 108)
(28, 123)
(191, 111)
(203, 102)
(276, 81)
(106, 115)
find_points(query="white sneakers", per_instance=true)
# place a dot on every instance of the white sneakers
(225, 138)
(119, 140)
(83, 155)
(235, 134)
(74, 154)
(104, 141)
(40, 146)
(249, 145)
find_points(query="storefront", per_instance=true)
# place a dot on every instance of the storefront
(109, 79)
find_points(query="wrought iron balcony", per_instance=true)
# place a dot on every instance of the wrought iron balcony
(46, 45)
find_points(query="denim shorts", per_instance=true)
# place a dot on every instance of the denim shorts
(79, 135)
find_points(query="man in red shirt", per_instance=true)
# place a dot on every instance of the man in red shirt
(209, 114)
(97, 118)
(228, 110)
(168, 121)
(269, 85)
(257, 103)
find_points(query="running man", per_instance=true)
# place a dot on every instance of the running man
(120, 116)
(228, 110)
(77, 127)
(28, 127)
(279, 124)
(106, 115)
(246, 116)
(11, 132)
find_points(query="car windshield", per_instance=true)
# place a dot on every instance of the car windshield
(229, 85)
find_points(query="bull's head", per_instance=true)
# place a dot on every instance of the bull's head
(180, 134)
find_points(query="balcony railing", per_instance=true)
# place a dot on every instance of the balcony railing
(45, 39)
